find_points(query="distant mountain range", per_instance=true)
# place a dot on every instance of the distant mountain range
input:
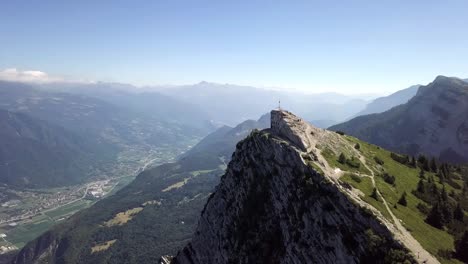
(157, 105)
(434, 122)
(106, 111)
(222, 104)
(232, 104)
(385, 103)
(219, 144)
(72, 126)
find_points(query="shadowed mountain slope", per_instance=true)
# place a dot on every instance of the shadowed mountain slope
(434, 122)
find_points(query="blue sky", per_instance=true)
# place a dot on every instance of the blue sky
(341, 46)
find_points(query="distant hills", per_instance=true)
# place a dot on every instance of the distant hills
(385, 103)
(157, 105)
(113, 116)
(219, 144)
(434, 122)
(231, 104)
(217, 104)
(69, 135)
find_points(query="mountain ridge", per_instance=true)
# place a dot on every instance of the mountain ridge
(383, 104)
(434, 122)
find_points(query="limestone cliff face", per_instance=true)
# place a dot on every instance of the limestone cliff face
(441, 109)
(271, 207)
(287, 125)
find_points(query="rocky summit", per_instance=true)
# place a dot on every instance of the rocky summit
(281, 202)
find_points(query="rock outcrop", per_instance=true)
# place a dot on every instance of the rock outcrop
(272, 206)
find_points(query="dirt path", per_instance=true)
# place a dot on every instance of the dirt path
(403, 235)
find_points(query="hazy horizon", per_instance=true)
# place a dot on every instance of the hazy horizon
(43, 78)
(352, 48)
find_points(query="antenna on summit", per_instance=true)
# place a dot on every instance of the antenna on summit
(279, 104)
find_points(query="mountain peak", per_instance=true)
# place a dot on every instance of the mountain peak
(451, 88)
(287, 125)
(204, 83)
(300, 133)
(444, 80)
(441, 78)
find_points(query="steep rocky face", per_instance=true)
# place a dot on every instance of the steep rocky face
(434, 122)
(274, 207)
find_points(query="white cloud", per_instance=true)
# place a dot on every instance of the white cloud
(15, 75)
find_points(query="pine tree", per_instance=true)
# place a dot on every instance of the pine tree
(374, 194)
(444, 171)
(421, 188)
(461, 248)
(452, 193)
(458, 213)
(441, 178)
(413, 162)
(421, 159)
(435, 192)
(342, 158)
(435, 217)
(447, 213)
(444, 195)
(430, 179)
(402, 199)
(426, 166)
(422, 174)
(433, 165)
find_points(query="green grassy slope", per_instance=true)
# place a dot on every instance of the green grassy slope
(437, 241)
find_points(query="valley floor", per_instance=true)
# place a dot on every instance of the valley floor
(25, 214)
